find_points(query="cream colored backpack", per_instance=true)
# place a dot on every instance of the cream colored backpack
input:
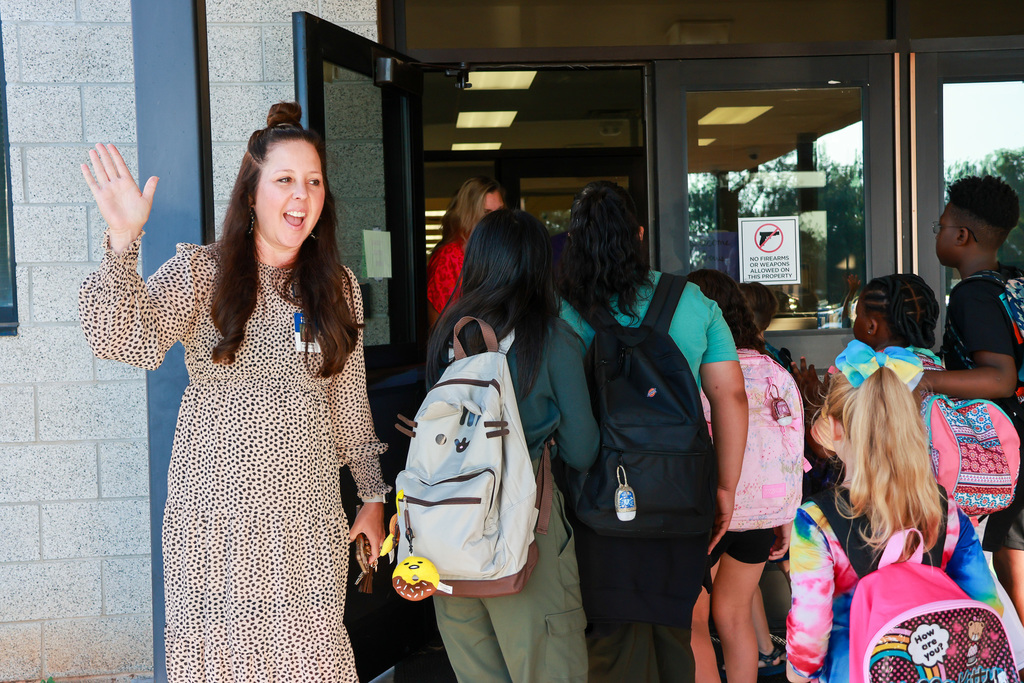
(468, 499)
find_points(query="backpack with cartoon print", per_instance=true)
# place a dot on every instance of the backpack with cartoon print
(468, 500)
(909, 621)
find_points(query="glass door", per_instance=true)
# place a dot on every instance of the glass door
(546, 183)
(365, 101)
(780, 171)
(970, 102)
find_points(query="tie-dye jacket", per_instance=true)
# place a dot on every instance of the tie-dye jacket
(817, 629)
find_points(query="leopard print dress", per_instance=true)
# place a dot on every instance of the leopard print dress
(255, 540)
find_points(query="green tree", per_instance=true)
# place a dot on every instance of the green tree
(717, 200)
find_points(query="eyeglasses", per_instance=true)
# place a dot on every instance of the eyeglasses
(937, 227)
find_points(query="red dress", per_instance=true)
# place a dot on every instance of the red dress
(443, 271)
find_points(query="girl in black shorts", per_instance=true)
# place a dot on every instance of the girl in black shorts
(766, 497)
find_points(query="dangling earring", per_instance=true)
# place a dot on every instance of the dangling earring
(252, 219)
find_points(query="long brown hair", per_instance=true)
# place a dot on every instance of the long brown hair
(316, 282)
(466, 209)
(724, 291)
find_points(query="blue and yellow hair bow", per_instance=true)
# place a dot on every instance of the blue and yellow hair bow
(859, 361)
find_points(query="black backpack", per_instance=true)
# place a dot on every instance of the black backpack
(652, 426)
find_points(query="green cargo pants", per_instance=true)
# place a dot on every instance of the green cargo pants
(531, 637)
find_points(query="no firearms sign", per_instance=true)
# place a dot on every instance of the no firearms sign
(770, 250)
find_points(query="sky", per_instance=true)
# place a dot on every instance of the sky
(981, 117)
(978, 118)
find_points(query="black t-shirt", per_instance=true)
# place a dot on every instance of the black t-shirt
(981, 321)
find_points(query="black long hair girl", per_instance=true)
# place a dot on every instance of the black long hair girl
(605, 256)
(507, 283)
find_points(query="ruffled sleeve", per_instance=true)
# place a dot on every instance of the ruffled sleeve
(136, 322)
(354, 437)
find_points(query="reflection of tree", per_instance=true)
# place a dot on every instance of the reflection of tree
(1007, 164)
(717, 200)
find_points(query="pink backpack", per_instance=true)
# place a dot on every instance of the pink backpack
(771, 481)
(909, 621)
(975, 449)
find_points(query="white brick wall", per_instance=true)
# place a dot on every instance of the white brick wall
(74, 511)
(75, 594)
(251, 67)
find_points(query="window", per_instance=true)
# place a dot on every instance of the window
(780, 153)
(982, 135)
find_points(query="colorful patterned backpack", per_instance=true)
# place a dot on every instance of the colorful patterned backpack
(771, 481)
(909, 621)
(975, 448)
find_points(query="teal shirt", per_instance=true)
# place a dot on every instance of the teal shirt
(697, 327)
(559, 403)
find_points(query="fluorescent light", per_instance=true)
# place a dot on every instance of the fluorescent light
(501, 80)
(472, 146)
(434, 213)
(731, 116)
(485, 119)
(704, 142)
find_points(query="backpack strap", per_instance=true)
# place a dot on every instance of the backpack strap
(659, 312)
(851, 532)
(664, 302)
(990, 275)
(545, 488)
(894, 548)
(490, 339)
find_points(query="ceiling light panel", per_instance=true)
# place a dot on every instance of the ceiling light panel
(474, 146)
(501, 80)
(731, 116)
(485, 119)
(704, 142)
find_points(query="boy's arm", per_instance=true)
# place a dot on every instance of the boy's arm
(995, 377)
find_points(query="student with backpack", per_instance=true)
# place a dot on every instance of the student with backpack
(764, 305)
(842, 537)
(982, 344)
(535, 634)
(767, 495)
(639, 589)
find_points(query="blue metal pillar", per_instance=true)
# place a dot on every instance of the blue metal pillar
(172, 111)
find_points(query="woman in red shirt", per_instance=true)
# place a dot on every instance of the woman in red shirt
(477, 197)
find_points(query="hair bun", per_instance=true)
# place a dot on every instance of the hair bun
(284, 114)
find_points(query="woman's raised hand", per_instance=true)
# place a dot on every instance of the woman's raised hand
(122, 205)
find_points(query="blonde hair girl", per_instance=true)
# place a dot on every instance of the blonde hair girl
(467, 207)
(877, 432)
(870, 420)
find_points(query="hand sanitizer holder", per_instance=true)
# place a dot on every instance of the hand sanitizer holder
(781, 411)
(625, 499)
